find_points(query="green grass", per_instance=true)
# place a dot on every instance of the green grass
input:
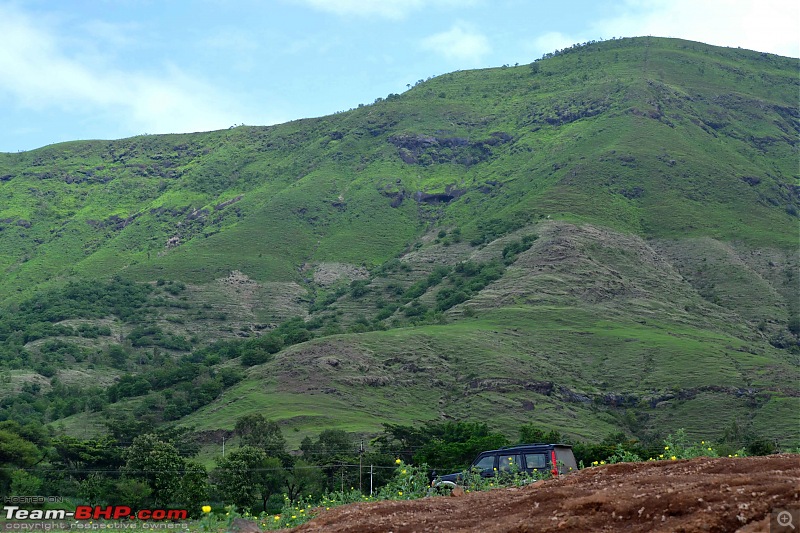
(658, 174)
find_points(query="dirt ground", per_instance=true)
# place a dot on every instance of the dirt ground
(725, 494)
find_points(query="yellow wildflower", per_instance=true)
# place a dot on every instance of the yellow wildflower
(206, 508)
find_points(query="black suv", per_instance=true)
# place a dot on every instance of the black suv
(555, 458)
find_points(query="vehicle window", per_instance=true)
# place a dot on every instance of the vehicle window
(508, 462)
(566, 460)
(485, 464)
(535, 460)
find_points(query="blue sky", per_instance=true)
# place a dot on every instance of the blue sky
(106, 69)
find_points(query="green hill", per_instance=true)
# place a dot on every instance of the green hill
(604, 239)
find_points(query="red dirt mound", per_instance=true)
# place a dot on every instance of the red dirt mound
(724, 494)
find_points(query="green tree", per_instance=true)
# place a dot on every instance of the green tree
(23, 483)
(302, 478)
(158, 464)
(132, 492)
(453, 445)
(193, 491)
(94, 488)
(19, 448)
(333, 449)
(256, 431)
(248, 475)
(118, 356)
(400, 441)
(530, 434)
(74, 456)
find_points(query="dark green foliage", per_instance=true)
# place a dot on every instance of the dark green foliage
(77, 457)
(400, 440)
(443, 446)
(174, 288)
(128, 385)
(302, 478)
(387, 311)
(794, 325)
(531, 434)
(91, 331)
(490, 229)
(58, 351)
(34, 319)
(332, 449)
(588, 452)
(265, 435)
(254, 356)
(88, 299)
(467, 279)
(186, 387)
(511, 251)
(20, 447)
(229, 376)
(358, 287)
(170, 477)
(117, 355)
(143, 336)
(326, 299)
(433, 279)
(415, 309)
(248, 477)
(449, 297)
(453, 445)
(253, 351)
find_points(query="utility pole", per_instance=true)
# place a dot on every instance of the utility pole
(370, 480)
(223, 446)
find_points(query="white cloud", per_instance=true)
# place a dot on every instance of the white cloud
(765, 26)
(38, 74)
(112, 34)
(391, 9)
(460, 43)
(552, 41)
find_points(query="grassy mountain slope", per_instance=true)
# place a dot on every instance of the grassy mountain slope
(627, 212)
